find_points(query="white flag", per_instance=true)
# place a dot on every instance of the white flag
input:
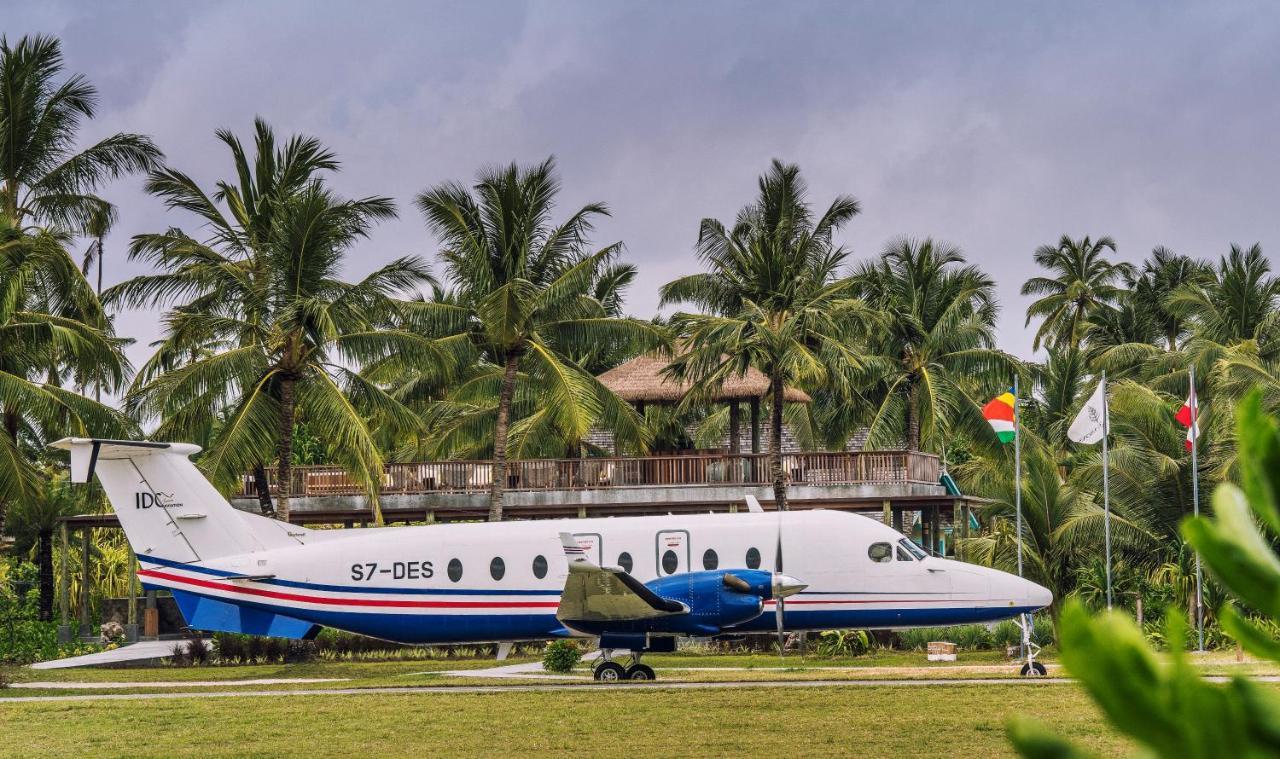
(1091, 424)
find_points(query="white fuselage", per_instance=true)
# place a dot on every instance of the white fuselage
(502, 581)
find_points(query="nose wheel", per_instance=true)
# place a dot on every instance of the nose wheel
(609, 671)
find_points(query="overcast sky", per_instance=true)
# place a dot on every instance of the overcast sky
(995, 126)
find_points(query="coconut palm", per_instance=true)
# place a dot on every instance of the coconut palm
(264, 327)
(33, 521)
(775, 301)
(1163, 274)
(937, 349)
(51, 323)
(1083, 283)
(521, 316)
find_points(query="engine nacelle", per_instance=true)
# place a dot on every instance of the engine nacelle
(715, 603)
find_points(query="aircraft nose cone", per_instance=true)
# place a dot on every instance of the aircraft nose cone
(786, 585)
(1036, 596)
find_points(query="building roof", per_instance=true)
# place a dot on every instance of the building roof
(641, 379)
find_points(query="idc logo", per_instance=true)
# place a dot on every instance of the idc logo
(146, 500)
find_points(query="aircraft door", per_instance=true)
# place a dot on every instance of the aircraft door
(592, 544)
(672, 552)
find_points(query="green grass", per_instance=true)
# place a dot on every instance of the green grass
(906, 721)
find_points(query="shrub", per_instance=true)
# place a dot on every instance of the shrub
(843, 643)
(198, 651)
(5, 678)
(561, 656)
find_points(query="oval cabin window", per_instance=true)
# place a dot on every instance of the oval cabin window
(624, 561)
(455, 570)
(753, 558)
(497, 568)
(539, 567)
(710, 560)
(670, 562)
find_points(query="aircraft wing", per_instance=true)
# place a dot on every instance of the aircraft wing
(604, 594)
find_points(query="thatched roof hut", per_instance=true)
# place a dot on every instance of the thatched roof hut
(641, 380)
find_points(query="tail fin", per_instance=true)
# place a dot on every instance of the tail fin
(166, 506)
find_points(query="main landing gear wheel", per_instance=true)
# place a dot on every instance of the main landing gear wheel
(640, 672)
(1034, 669)
(611, 672)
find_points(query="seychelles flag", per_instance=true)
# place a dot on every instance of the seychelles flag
(999, 412)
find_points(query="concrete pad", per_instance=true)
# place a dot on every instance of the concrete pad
(141, 651)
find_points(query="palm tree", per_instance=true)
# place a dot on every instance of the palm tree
(1084, 282)
(101, 220)
(520, 314)
(51, 323)
(936, 350)
(264, 326)
(774, 300)
(33, 522)
(1163, 274)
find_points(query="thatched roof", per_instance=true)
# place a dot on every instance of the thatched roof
(641, 379)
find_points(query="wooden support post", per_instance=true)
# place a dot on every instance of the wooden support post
(755, 437)
(964, 531)
(64, 576)
(131, 623)
(935, 520)
(735, 437)
(85, 581)
(582, 512)
(888, 512)
(151, 617)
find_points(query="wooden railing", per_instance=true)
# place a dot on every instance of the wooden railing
(840, 468)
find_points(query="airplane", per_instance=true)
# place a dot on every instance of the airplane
(636, 583)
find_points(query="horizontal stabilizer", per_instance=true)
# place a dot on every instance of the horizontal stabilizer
(204, 613)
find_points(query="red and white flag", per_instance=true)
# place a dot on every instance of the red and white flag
(1190, 412)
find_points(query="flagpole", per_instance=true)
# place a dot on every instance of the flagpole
(1017, 468)
(1106, 482)
(1195, 503)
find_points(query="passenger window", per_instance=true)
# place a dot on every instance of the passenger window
(624, 561)
(880, 552)
(455, 570)
(497, 568)
(753, 558)
(539, 567)
(670, 562)
(710, 560)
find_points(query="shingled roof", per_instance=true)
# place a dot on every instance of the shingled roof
(641, 379)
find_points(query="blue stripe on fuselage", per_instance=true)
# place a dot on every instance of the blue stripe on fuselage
(349, 588)
(469, 628)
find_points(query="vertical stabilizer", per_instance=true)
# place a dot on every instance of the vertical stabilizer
(168, 509)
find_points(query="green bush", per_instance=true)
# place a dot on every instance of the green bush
(561, 656)
(843, 643)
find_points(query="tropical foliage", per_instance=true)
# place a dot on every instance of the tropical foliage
(273, 355)
(775, 301)
(52, 327)
(532, 306)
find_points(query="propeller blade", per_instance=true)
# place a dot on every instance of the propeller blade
(782, 640)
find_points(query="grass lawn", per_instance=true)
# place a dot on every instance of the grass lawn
(962, 720)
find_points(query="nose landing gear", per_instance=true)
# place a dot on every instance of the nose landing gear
(609, 671)
(1031, 668)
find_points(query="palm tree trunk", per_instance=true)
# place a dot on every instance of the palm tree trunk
(284, 468)
(44, 561)
(498, 475)
(262, 487)
(912, 422)
(775, 444)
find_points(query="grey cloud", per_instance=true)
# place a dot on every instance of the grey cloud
(997, 126)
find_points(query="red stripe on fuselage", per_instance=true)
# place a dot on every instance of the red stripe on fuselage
(379, 602)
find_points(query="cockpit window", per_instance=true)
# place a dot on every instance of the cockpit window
(912, 548)
(880, 552)
(903, 555)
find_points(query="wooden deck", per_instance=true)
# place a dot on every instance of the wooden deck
(475, 477)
